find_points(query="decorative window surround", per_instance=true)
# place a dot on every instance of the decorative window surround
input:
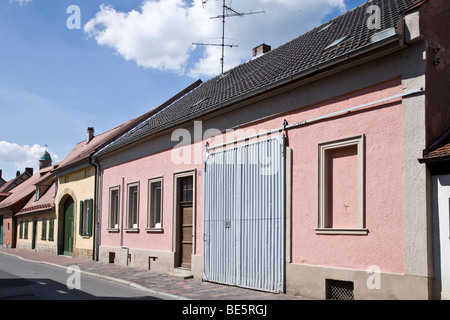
(324, 148)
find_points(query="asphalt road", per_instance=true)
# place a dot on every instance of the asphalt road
(27, 280)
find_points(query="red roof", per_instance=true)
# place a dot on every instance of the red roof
(26, 189)
(45, 202)
(439, 149)
(83, 150)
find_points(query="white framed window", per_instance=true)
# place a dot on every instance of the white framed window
(341, 187)
(133, 206)
(114, 205)
(155, 192)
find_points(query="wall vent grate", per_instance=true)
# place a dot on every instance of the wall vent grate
(340, 290)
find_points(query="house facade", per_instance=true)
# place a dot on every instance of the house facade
(35, 221)
(75, 195)
(8, 205)
(294, 172)
(27, 203)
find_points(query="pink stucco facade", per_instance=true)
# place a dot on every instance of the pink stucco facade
(158, 165)
(382, 128)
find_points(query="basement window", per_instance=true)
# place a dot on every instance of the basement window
(339, 290)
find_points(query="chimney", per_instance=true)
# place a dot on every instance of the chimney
(261, 49)
(90, 134)
(29, 170)
(1, 172)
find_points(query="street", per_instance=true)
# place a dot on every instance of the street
(27, 280)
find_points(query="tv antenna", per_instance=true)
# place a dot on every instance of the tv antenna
(227, 12)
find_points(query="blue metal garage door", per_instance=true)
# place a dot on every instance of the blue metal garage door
(244, 216)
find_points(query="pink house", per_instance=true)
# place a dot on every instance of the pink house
(294, 172)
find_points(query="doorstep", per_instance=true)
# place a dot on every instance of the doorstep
(182, 273)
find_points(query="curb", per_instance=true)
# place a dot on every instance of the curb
(128, 283)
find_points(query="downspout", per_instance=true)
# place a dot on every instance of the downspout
(121, 212)
(284, 213)
(121, 221)
(96, 231)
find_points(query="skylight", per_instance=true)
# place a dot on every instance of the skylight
(336, 42)
(326, 27)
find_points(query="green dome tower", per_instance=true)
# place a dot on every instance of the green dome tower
(45, 160)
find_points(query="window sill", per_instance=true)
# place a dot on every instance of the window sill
(131, 230)
(342, 231)
(113, 229)
(154, 230)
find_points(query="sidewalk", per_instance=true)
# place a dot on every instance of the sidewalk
(171, 287)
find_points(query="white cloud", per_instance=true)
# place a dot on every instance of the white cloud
(160, 34)
(20, 2)
(14, 157)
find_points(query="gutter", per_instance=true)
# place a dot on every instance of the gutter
(434, 159)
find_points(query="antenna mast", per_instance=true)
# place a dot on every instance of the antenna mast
(227, 12)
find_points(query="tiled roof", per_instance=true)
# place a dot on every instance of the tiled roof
(439, 149)
(26, 189)
(83, 150)
(293, 59)
(17, 180)
(45, 202)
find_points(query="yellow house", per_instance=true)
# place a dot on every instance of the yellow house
(77, 181)
(74, 200)
(74, 207)
(76, 178)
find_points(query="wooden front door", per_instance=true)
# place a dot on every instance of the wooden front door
(186, 222)
(186, 235)
(69, 224)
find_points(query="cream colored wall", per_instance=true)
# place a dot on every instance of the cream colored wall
(44, 245)
(80, 185)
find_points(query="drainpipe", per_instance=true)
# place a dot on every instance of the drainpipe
(121, 214)
(121, 221)
(96, 231)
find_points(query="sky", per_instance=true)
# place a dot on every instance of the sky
(66, 65)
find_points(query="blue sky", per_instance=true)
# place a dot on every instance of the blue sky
(128, 57)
